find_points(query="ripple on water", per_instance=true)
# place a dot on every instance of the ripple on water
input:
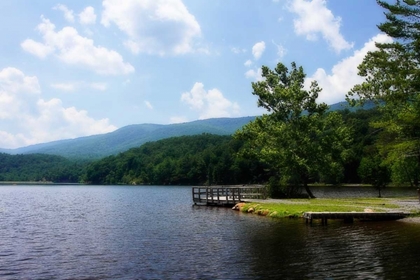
(154, 233)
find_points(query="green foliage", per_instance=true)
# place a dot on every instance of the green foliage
(373, 171)
(392, 76)
(300, 140)
(188, 160)
(296, 207)
(38, 167)
(363, 135)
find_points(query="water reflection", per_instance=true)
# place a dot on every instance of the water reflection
(155, 233)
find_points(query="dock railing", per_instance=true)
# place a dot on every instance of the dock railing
(227, 195)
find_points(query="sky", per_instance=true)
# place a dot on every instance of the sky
(76, 68)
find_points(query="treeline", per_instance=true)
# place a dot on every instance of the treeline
(187, 160)
(40, 167)
(211, 159)
(191, 160)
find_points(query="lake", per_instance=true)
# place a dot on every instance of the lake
(154, 232)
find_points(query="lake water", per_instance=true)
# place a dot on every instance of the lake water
(123, 232)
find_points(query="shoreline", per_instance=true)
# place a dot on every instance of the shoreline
(294, 208)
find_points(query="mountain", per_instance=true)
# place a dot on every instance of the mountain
(98, 146)
(127, 137)
(345, 105)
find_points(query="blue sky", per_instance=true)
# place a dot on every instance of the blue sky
(76, 68)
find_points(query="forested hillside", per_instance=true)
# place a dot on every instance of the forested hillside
(187, 160)
(211, 159)
(98, 146)
(39, 167)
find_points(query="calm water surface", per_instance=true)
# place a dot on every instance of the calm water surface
(118, 232)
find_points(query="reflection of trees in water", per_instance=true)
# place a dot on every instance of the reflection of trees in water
(362, 250)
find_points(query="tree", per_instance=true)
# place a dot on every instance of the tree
(392, 81)
(373, 171)
(300, 140)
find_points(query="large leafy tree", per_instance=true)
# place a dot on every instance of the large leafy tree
(392, 81)
(299, 139)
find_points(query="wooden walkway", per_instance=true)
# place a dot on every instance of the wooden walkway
(226, 195)
(350, 216)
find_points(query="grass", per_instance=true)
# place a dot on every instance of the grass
(296, 207)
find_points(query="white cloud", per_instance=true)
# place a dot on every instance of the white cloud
(153, 26)
(99, 86)
(258, 49)
(314, 18)
(343, 75)
(178, 119)
(148, 105)
(237, 50)
(210, 104)
(68, 14)
(64, 86)
(38, 49)
(73, 49)
(87, 16)
(28, 119)
(73, 86)
(254, 74)
(248, 63)
(15, 88)
(281, 51)
(14, 81)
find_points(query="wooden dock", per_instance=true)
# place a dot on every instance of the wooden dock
(350, 216)
(226, 195)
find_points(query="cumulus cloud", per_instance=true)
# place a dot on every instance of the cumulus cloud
(153, 26)
(248, 63)
(73, 49)
(254, 74)
(87, 16)
(68, 14)
(28, 119)
(210, 104)
(13, 81)
(315, 18)
(38, 49)
(258, 49)
(343, 76)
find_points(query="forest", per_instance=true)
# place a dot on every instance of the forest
(40, 168)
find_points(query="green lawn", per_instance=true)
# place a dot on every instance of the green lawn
(296, 207)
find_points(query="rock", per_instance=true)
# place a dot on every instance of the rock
(238, 206)
(263, 212)
(251, 210)
(266, 212)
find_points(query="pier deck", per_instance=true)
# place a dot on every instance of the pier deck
(226, 195)
(350, 216)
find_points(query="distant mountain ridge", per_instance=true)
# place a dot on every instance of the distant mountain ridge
(120, 140)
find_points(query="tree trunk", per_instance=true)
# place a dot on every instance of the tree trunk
(311, 195)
